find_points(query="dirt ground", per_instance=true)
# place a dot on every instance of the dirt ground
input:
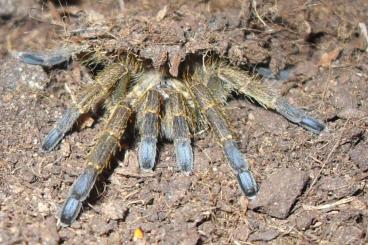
(313, 187)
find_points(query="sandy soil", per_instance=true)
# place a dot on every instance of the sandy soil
(313, 187)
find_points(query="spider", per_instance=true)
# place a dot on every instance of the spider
(161, 106)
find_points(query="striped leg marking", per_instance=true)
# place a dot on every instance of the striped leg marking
(88, 101)
(268, 97)
(220, 126)
(98, 159)
(149, 129)
(176, 113)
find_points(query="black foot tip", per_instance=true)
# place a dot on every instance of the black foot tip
(70, 211)
(52, 140)
(247, 183)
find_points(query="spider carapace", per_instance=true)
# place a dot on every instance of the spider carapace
(161, 106)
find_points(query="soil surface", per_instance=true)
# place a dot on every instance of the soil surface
(313, 187)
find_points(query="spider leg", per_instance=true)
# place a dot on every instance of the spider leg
(220, 125)
(87, 101)
(47, 59)
(268, 97)
(220, 89)
(298, 116)
(177, 128)
(149, 128)
(98, 159)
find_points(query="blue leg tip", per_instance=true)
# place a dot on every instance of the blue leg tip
(312, 124)
(247, 183)
(147, 153)
(31, 59)
(70, 211)
(52, 140)
(184, 156)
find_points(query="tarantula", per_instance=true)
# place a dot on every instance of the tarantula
(161, 105)
(161, 102)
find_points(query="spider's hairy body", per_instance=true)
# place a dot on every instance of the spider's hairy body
(163, 104)
(171, 107)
